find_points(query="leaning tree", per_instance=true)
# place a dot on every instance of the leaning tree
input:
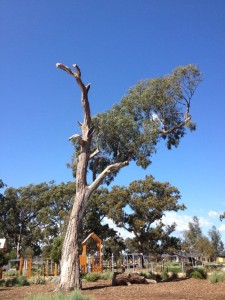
(152, 110)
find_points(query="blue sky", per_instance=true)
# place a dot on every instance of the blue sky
(115, 43)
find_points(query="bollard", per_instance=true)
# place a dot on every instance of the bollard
(89, 263)
(112, 263)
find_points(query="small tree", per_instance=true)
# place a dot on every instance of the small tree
(148, 201)
(216, 242)
(153, 109)
(192, 235)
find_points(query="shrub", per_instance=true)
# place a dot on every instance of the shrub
(199, 273)
(106, 275)
(10, 273)
(164, 275)
(37, 280)
(92, 277)
(21, 281)
(217, 277)
(75, 295)
(2, 282)
(173, 275)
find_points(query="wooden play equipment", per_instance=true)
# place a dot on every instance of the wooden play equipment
(91, 263)
(45, 268)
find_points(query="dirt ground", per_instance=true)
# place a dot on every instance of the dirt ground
(188, 289)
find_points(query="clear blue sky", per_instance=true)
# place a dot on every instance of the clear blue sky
(115, 43)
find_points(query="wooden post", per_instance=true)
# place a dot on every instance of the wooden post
(46, 268)
(55, 269)
(21, 266)
(29, 268)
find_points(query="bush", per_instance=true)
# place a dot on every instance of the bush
(217, 277)
(2, 282)
(92, 277)
(173, 275)
(198, 273)
(164, 275)
(75, 295)
(10, 273)
(37, 280)
(19, 281)
(106, 275)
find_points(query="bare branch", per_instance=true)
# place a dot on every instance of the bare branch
(76, 137)
(77, 69)
(84, 91)
(163, 131)
(108, 170)
(92, 155)
(88, 87)
(66, 69)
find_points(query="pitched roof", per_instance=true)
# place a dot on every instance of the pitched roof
(2, 243)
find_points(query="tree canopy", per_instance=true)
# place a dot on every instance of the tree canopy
(152, 110)
(139, 209)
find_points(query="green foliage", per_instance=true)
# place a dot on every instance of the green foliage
(92, 276)
(198, 273)
(33, 213)
(18, 281)
(152, 110)
(148, 200)
(37, 280)
(75, 295)
(10, 273)
(2, 282)
(216, 277)
(3, 258)
(165, 275)
(56, 250)
(106, 275)
(216, 242)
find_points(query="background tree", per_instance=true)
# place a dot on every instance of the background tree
(192, 235)
(203, 247)
(140, 208)
(19, 209)
(113, 246)
(216, 242)
(153, 109)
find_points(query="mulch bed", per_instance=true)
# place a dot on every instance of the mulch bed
(187, 289)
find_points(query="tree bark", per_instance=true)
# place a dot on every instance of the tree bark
(70, 265)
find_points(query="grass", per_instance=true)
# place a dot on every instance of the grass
(96, 276)
(75, 295)
(217, 277)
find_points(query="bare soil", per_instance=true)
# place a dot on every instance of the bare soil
(186, 289)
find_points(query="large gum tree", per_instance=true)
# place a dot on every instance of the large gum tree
(152, 110)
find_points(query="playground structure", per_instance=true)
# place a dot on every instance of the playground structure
(135, 261)
(29, 267)
(91, 263)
